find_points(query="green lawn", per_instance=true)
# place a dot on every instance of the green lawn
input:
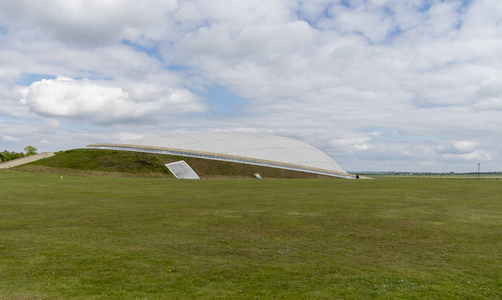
(155, 238)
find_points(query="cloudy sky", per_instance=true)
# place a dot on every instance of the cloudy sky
(379, 85)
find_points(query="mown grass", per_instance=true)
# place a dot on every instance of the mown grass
(444, 176)
(138, 238)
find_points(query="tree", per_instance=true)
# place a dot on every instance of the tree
(6, 155)
(30, 150)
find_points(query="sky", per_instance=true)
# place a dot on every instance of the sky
(379, 85)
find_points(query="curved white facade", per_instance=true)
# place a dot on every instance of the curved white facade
(256, 149)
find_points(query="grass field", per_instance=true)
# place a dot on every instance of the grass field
(443, 176)
(155, 238)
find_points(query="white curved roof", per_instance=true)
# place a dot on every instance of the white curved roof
(270, 150)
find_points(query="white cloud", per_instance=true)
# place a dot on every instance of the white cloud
(366, 19)
(87, 24)
(9, 138)
(380, 84)
(126, 136)
(98, 102)
(65, 97)
(473, 156)
(52, 123)
(465, 146)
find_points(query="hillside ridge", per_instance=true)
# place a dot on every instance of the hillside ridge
(114, 163)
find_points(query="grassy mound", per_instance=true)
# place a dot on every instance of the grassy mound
(112, 163)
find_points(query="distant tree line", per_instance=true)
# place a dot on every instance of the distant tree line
(6, 155)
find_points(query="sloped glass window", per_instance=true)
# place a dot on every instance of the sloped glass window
(181, 170)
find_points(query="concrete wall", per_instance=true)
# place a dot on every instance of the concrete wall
(25, 160)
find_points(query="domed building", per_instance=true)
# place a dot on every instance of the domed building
(245, 148)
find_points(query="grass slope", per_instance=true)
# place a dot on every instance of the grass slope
(137, 238)
(137, 164)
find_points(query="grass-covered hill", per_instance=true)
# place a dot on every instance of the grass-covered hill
(92, 162)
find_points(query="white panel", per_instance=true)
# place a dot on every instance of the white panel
(182, 170)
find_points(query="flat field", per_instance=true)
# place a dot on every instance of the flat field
(157, 238)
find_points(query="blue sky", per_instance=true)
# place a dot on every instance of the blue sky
(27, 79)
(378, 85)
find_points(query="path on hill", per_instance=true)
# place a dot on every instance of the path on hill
(25, 160)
